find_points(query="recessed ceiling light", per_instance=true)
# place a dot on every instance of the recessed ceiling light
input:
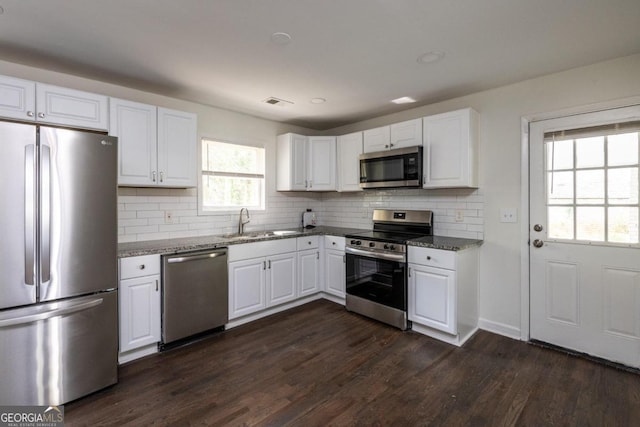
(281, 38)
(403, 100)
(430, 57)
(318, 100)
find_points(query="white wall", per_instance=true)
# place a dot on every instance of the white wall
(501, 111)
(141, 211)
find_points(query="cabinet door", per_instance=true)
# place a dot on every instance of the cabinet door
(432, 297)
(298, 166)
(135, 126)
(281, 278)
(321, 163)
(17, 98)
(246, 287)
(139, 312)
(377, 139)
(308, 272)
(69, 107)
(349, 150)
(406, 134)
(177, 143)
(450, 150)
(335, 273)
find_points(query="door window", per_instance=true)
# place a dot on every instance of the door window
(592, 184)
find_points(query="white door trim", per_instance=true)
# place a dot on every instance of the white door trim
(525, 277)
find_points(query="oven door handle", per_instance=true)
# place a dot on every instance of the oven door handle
(378, 255)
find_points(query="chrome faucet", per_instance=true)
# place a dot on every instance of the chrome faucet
(241, 223)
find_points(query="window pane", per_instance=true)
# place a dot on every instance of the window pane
(623, 224)
(560, 186)
(232, 192)
(234, 158)
(590, 187)
(560, 222)
(590, 152)
(623, 149)
(623, 186)
(590, 223)
(560, 155)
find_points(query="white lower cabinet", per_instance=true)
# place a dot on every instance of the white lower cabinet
(443, 293)
(261, 275)
(334, 258)
(139, 295)
(308, 272)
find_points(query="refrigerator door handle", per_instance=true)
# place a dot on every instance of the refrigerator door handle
(29, 214)
(45, 210)
(30, 318)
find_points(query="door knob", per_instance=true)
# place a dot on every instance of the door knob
(537, 227)
(538, 243)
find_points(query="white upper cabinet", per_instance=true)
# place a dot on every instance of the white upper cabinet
(17, 98)
(450, 149)
(135, 126)
(26, 100)
(406, 134)
(321, 163)
(177, 159)
(349, 150)
(378, 139)
(306, 163)
(157, 146)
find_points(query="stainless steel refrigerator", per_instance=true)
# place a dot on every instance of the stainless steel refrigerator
(58, 266)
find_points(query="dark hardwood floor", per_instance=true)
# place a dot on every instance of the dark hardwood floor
(319, 365)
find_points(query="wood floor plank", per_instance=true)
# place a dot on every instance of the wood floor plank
(319, 365)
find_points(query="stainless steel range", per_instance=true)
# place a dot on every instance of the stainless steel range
(376, 282)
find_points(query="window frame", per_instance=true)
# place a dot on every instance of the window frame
(202, 173)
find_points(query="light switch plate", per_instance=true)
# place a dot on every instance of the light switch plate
(508, 215)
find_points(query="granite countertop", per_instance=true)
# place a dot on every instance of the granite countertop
(443, 242)
(172, 246)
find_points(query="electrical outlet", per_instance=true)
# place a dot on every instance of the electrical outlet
(508, 215)
(459, 216)
(168, 217)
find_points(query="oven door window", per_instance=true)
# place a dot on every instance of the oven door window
(377, 280)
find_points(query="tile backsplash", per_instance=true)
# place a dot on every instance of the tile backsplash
(142, 211)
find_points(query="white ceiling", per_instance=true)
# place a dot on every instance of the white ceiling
(358, 54)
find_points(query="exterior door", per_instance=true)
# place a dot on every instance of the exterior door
(585, 251)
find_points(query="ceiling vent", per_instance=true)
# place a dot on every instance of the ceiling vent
(277, 101)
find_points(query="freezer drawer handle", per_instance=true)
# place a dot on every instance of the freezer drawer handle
(29, 214)
(30, 318)
(195, 257)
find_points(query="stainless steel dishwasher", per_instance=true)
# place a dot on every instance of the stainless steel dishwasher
(195, 293)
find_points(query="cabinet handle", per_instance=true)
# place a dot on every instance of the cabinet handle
(264, 265)
(153, 176)
(391, 145)
(41, 115)
(310, 184)
(317, 255)
(428, 258)
(156, 286)
(386, 146)
(141, 266)
(309, 242)
(333, 243)
(269, 265)
(30, 113)
(161, 176)
(306, 184)
(409, 272)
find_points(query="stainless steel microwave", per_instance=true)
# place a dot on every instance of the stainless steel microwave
(401, 167)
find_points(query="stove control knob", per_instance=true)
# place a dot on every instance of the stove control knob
(372, 244)
(386, 246)
(353, 242)
(358, 242)
(392, 248)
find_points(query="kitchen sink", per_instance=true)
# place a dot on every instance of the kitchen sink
(260, 234)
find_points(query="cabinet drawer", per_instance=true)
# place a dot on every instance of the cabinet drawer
(308, 242)
(260, 249)
(138, 266)
(432, 257)
(334, 242)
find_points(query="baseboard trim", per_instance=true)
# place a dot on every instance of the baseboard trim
(499, 328)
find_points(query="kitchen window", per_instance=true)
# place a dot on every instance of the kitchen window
(232, 176)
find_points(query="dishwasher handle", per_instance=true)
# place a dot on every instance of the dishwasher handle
(196, 257)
